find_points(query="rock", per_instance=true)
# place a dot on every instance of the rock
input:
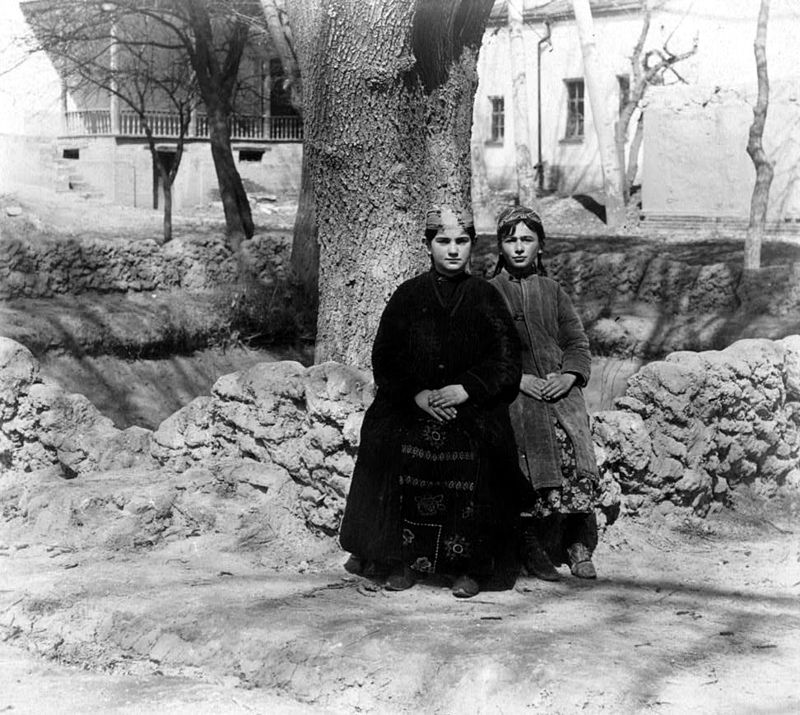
(665, 508)
(13, 210)
(624, 440)
(169, 443)
(693, 426)
(268, 478)
(791, 366)
(18, 371)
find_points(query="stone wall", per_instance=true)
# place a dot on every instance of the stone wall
(41, 425)
(692, 428)
(304, 422)
(689, 430)
(77, 265)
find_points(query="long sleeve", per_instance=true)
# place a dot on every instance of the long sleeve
(497, 374)
(390, 366)
(572, 340)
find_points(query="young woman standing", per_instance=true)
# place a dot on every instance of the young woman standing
(436, 488)
(551, 424)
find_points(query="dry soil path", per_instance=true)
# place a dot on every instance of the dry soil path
(686, 618)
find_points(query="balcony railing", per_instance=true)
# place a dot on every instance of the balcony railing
(89, 121)
(98, 122)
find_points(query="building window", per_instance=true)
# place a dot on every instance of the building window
(71, 153)
(624, 83)
(575, 114)
(498, 129)
(250, 154)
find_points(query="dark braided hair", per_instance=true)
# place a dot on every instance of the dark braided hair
(506, 222)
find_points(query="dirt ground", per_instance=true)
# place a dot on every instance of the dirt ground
(688, 615)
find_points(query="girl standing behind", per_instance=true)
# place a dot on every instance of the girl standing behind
(549, 416)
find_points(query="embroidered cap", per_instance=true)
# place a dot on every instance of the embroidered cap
(435, 218)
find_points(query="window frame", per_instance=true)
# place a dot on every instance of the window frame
(575, 126)
(497, 119)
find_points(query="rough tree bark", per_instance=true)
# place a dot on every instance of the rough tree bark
(388, 87)
(603, 121)
(305, 247)
(755, 148)
(526, 176)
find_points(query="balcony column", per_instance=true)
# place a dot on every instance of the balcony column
(114, 65)
(65, 128)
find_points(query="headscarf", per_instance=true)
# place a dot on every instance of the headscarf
(506, 221)
(511, 216)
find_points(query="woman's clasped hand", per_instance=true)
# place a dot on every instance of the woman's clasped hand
(441, 404)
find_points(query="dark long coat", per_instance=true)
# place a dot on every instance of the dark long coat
(553, 341)
(431, 335)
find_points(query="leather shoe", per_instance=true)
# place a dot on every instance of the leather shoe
(580, 561)
(537, 562)
(400, 579)
(354, 565)
(466, 587)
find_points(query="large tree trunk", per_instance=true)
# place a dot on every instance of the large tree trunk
(238, 218)
(305, 249)
(387, 133)
(354, 59)
(755, 148)
(216, 61)
(280, 18)
(603, 120)
(526, 176)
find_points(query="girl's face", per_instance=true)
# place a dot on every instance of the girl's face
(521, 247)
(451, 247)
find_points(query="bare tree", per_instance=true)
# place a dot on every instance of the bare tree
(603, 122)
(755, 148)
(305, 251)
(280, 35)
(156, 42)
(388, 88)
(108, 47)
(214, 34)
(647, 68)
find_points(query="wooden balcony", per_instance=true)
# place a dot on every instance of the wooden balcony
(165, 125)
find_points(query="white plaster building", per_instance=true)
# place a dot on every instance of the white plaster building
(89, 143)
(693, 161)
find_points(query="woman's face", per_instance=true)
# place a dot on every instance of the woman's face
(451, 247)
(520, 247)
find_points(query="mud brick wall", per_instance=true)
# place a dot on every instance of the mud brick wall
(78, 265)
(689, 430)
(693, 427)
